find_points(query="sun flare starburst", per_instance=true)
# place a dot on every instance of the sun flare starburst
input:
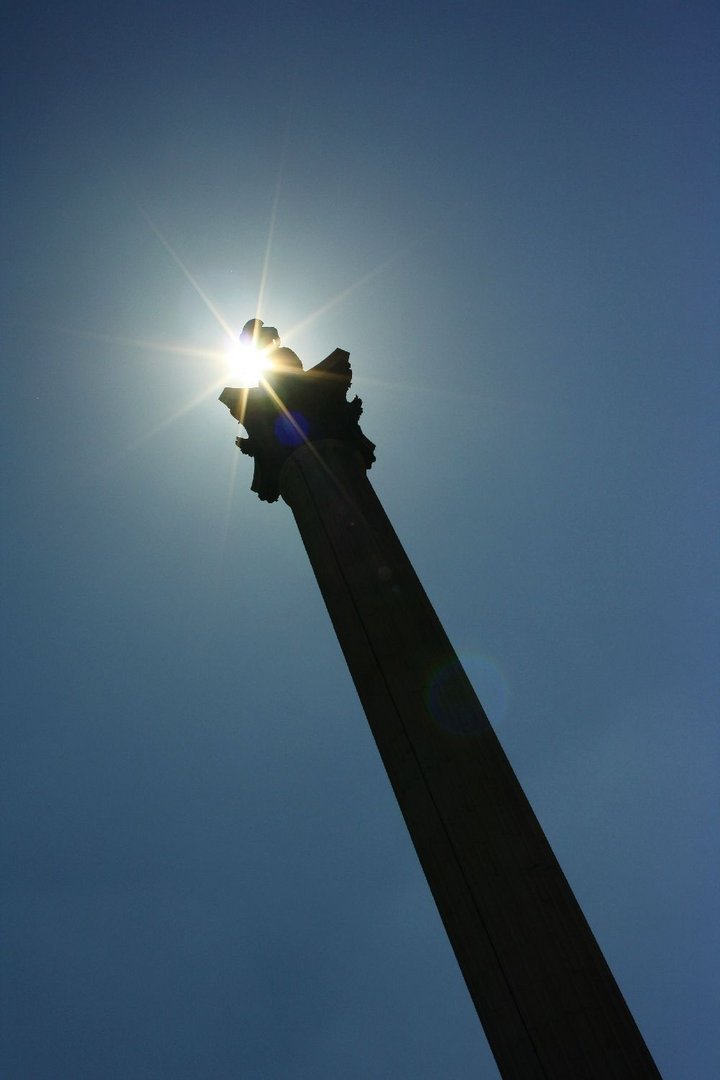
(245, 364)
(246, 360)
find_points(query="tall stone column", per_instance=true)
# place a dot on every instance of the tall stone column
(545, 996)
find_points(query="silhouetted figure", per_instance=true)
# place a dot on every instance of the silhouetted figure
(292, 406)
(266, 339)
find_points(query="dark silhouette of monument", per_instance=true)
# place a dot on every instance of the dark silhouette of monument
(545, 996)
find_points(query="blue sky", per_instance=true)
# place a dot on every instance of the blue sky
(508, 214)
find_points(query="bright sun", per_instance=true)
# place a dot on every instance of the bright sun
(245, 364)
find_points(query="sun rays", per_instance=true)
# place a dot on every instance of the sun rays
(229, 355)
(364, 279)
(221, 360)
(193, 281)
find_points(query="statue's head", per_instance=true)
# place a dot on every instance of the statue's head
(255, 333)
(266, 339)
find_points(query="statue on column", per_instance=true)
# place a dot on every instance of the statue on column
(292, 407)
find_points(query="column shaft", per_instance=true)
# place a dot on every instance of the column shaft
(544, 994)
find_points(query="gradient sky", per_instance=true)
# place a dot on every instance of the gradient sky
(508, 213)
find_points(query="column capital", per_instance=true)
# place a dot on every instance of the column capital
(291, 408)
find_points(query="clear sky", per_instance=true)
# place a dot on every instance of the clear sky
(508, 213)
